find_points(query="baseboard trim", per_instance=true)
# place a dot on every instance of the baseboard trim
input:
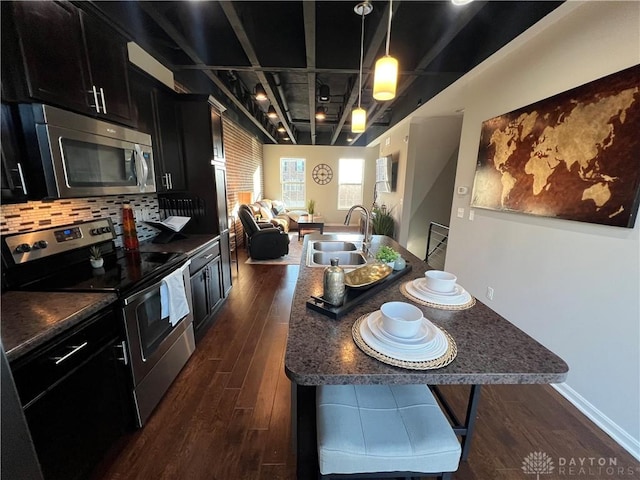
(607, 425)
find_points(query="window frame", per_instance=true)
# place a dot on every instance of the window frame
(341, 183)
(303, 183)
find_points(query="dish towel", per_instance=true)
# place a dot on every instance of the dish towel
(173, 297)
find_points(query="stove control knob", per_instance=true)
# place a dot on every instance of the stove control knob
(40, 244)
(23, 248)
(105, 230)
(94, 231)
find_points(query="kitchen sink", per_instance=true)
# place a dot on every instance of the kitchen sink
(345, 259)
(333, 246)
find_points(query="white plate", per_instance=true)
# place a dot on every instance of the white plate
(432, 350)
(421, 284)
(452, 300)
(425, 335)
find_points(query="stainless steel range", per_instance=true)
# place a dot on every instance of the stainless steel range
(153, 291)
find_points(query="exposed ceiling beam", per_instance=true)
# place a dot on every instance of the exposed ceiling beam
(177, 37)
(236, 23)
(378, 109)
(369, 56)
(344, 71)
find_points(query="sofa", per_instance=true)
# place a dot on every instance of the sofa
(274, 212)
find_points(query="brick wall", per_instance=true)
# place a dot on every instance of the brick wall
(243, 153)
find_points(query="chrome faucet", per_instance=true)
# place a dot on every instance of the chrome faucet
(367, 237)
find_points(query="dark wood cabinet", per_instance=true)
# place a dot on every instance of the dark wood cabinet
(108, 67)
(216, 134)
(68, 59)
(14, 189)
(206, 286)
(170, 173)
(155, 109)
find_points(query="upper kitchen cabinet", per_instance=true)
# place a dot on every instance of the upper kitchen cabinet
(156, 111)
(14, 189)
(67, 58)
(216, 131)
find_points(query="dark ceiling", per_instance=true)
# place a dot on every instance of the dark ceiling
(293, 47)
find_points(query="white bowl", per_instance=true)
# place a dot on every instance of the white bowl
(401, 319)
(440, 281)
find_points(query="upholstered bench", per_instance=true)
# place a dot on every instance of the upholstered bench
(382, 429)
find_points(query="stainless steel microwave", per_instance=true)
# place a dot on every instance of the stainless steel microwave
(72, 155)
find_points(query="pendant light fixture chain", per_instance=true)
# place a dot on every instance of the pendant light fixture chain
(363, 9)
(389, 26)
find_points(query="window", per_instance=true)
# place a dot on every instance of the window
(350, 177)
(292, 182)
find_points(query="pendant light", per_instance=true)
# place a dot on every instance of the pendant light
(359, 114)
(321, 113)
(260, 93)
(271, 112)
(385, 77)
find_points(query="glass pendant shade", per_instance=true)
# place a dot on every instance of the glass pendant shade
(385, 78)
(358, 120)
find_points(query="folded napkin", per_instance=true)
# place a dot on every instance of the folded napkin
(173, 296)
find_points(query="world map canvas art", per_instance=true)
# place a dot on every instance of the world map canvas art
(574, 156)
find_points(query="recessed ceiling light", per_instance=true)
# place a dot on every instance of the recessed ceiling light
(461, 2)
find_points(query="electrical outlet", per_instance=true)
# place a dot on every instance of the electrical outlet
(472, 215)
(490, 293)
(461, 213)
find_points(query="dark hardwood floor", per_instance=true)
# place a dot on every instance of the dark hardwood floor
(227, 414)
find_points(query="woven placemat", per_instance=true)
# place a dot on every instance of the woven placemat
(442, 361)
(464, 306)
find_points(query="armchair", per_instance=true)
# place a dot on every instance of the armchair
(265, 240)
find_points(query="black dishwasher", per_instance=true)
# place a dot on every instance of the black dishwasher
(76, 395)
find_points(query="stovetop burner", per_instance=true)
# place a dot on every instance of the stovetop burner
(121, 272)
(57, 259)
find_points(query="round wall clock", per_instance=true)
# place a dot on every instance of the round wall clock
(322, 174)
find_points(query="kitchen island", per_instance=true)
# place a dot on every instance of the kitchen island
(321, 350)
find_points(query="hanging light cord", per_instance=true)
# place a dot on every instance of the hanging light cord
(389, 26)
(361, 56)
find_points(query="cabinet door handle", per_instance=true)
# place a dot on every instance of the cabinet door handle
(165, 180)
(104, 105)
(76, 348)
(124, 359)
(23, 185)
(95, 98)
(171, 181)
(207, 257)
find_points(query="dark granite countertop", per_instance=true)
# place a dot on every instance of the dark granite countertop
(29, 319)
(321, 350)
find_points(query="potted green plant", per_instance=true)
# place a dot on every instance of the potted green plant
(382, 222)
(387, 255)
(95, 257)
(311, 208)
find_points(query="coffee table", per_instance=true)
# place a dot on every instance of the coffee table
(307, 224)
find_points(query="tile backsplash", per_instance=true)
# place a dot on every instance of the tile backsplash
(24, 217)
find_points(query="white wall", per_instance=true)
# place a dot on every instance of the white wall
(431, 168)
(326, 196)
(573, 286)
(395, 143)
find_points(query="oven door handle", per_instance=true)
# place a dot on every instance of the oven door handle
(134, 297)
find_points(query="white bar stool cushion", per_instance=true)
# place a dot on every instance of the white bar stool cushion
(383, 428)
